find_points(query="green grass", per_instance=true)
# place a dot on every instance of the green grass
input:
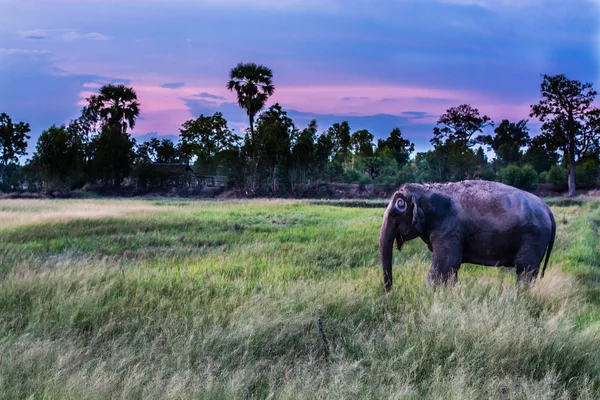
(279, 299)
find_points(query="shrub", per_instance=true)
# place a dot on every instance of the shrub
(543, 177)
(586, 175)
(523, 177)
(558, 177)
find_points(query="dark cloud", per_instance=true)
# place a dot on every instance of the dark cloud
(173, 85)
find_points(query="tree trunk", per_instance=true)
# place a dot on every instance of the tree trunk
(572, 190)
(251, 117)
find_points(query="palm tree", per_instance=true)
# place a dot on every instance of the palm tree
(253, 85)
(117, 106)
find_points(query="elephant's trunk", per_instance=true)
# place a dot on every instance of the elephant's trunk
(386, 248)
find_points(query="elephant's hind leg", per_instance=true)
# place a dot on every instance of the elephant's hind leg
(527, 265)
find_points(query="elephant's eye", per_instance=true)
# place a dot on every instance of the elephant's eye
(401, 205)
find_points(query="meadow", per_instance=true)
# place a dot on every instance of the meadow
(164, 299)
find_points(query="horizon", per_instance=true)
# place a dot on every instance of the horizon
(390, 65)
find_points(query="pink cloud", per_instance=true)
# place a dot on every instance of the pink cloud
(164, 110)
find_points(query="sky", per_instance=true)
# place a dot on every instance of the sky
(378, 64)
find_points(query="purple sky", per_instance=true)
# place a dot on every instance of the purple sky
(378, 64)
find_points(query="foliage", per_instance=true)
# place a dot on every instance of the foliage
(13, 144)
(205, 137)
(509, 138)
(586, 175)
(113, 155)
(539, 156)
(459, 125)
(571, 122)
(558, 177)
(401, 148)
(253, 85)
(59, 157)
(522, 177)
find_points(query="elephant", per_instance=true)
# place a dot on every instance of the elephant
(471, 221)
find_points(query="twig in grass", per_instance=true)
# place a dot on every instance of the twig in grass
(321, 327)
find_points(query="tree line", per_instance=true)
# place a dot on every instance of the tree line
(276, 158)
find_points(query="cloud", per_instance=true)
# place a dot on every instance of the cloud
(173, 85)
(210, 96)
(96, 36)
(34, 34)
(354, 98)
(75, 35)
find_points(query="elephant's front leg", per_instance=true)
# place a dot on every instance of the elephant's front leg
(447, 258)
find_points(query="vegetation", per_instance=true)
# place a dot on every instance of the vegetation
(279, 299)
(571, 122)
(274, 157)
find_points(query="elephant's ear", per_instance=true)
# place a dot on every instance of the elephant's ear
(418, 219)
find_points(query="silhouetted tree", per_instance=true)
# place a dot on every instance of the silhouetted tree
(539, 156)
(270, 146)
(13, 142)
(59, 156)
(509, 138)
(253, 85)
(205, 137)
(115, 109)
(459, 125)
(342, 140)
(304, 155)
(570, 120)
(362, 143)
(400, 148)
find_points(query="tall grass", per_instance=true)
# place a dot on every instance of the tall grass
(279, 299)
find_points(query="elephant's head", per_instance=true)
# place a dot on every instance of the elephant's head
(403, 220)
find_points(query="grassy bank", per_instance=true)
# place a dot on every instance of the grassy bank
(282, 299)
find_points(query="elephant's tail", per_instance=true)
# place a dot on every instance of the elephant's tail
(550, 244)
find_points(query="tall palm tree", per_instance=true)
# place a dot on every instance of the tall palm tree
(253, 85)
(117, 106)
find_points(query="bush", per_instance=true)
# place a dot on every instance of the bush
(486, 174)
(543, 177)
(586, 175)
(520, 177)
(558, 177)
(405, 175)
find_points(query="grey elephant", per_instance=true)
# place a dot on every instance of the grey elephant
(472, 221)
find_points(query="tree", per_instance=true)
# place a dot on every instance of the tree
(362, 142)
(401, 148)
(160, 151)
(270, 146)
(539, 156)
(13, 142)
(571, 123)
(303, 154)
(59, 155)
(253, 85)
(509, 138)
(115, 109)
(205, 137)
(460, 124)
(112, 155)
(115, 106)
(324, 153)
(342, 141)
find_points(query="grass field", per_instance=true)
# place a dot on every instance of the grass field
(278, 299)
